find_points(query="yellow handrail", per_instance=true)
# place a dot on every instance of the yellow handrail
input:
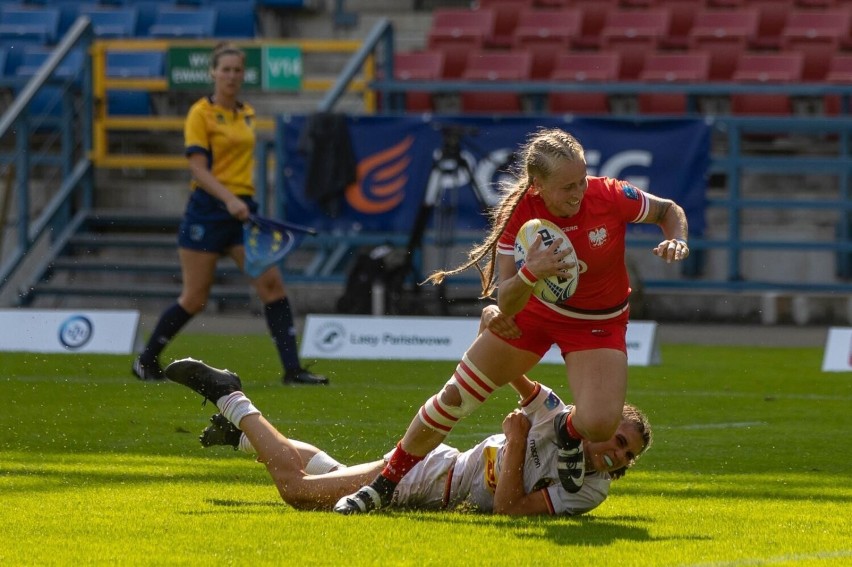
(104, 124)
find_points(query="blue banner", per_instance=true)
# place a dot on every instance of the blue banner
(466, 158)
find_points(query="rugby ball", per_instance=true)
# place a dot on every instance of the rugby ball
(554, 289)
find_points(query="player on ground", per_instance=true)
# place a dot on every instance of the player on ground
(514, 473)
(589, 327)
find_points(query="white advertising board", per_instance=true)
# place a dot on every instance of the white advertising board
(838, 350)
(33, 330)
(430, 338)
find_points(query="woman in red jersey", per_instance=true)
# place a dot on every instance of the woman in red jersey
(589, 327)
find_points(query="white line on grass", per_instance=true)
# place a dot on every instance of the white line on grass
(716, 394)
(779, 559)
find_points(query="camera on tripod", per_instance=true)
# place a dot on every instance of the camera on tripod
(452, 135)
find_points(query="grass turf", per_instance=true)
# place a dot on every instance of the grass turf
(750, 466)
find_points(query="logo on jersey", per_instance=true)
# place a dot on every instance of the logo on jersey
(220, 119)
(630, 191)
(490, 472)
(552, 401)
(382, 178)
(597, 237)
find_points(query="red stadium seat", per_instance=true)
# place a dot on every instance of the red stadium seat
(634, 33)
(766, 68)
(457, 33)
(689, 67)
(724, 34)
(583, 67)
(506, 16)
(773, 17)
(419, 66)
(594, 18)
(682, 14)
(545, 34)
(495, 66)
(816, 34)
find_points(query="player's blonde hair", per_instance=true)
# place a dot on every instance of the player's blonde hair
(538, 157)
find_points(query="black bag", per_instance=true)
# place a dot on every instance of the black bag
(383, 263)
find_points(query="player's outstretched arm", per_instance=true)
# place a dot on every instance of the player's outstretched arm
(510, 497)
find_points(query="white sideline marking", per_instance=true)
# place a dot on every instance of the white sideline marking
(731, 425)
(778, 559)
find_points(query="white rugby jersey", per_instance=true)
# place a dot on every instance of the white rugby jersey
(447, 477)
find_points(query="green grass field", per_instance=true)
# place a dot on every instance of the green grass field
(750, 466)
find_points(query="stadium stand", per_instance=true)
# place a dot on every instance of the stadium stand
(839, 73)
(634, 34)
(33, 24)
(495, 66)
(690, 67)
(127, 65)
(235, 18)
(766, 68)
(773, 17)
(48, 100)
(419, 66)
(594, 18)
(817, 35)
(506, 18)
(580, 67)
(458, 32)
(111, 22)
(546, 34)
(681, 16)
(724, 35)
(195, 23)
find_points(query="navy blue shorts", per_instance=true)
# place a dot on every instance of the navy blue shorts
(208, 227)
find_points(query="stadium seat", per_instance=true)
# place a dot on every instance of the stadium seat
(146, 13)
(458, 33)
(724, 34)
(419, 66)
(111, 22)
(194, 23)
(682, 13)
(495, 66)
(634, 33)
(506, 16)
(594, 18)
(773, 17)
(48, 99)
(132, 64)
(839, 73)
(583, 67)
(545, 34)
(3, 58)
(235, 18)
(766, 68)
(688, 67)
(34, 24)
(817, 35)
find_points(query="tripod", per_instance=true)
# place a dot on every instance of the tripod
(450, 171)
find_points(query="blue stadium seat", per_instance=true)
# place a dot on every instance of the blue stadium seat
(132, 64)
(184, 23)
(3, 57)
(146, 12)
(29, 23)
(48, 100)
(111, 22)
(235, 18)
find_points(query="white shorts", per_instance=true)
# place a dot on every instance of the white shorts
(426, 486)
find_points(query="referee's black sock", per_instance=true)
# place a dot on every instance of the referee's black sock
(171, 322)
(279, 319)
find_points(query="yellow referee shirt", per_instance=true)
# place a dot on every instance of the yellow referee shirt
(227, 138)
